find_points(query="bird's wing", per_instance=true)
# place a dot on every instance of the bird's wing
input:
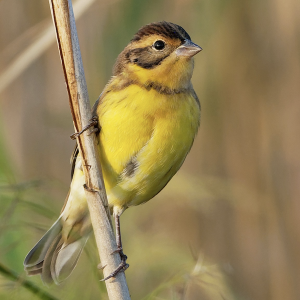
(76, 149)
(73, 159)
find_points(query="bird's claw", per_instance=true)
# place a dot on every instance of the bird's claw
(94, 130)
(123, 266)
(93, 123)
(120, 250)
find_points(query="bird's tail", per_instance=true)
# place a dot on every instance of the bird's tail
(52, 258)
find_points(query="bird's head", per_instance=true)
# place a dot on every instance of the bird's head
(161, 53)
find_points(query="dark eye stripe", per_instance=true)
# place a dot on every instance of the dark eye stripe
(145, 58)
(152, 64)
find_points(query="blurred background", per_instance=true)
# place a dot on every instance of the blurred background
(227, 225)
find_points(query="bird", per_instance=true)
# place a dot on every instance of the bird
(148, 116)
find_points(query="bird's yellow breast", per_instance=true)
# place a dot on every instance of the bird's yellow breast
(151, 131)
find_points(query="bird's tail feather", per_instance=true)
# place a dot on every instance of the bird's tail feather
(52, 257)
(34, 259)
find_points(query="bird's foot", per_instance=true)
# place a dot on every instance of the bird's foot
(122, 266)
(93, 123)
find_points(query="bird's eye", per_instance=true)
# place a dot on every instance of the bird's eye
(159, 45)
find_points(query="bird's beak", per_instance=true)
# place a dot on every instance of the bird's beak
(188, 49)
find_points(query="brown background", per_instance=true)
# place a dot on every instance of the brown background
(226, 227)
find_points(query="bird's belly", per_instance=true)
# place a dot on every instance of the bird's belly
(154, 140)
(165, 154)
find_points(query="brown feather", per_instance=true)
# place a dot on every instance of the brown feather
(34, 270)
(46, 271)
(164, 29)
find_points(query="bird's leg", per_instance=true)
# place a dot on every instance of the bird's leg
(118, 234)
(119, 238)
(93, 123)
(123, 265)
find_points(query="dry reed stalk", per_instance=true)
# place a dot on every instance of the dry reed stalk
(68, 45)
